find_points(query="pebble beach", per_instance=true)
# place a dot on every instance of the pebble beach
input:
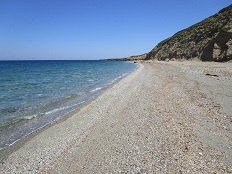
(165, 117)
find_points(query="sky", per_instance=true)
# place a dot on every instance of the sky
(94, 29)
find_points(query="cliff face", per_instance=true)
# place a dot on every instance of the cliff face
(208, 40)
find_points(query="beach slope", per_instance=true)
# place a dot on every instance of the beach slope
(166, 117)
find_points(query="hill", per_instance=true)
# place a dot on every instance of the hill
(131, 58)
(208, 40)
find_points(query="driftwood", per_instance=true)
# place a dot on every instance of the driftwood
(213, 75)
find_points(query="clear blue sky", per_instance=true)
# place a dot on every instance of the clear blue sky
(94, 29)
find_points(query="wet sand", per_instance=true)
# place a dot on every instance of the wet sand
(166, 117)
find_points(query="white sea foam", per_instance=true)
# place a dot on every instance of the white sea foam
(96, 89)
(29, 117)
(119, 77)
(63, 108)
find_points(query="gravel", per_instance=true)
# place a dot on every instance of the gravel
(166, 117)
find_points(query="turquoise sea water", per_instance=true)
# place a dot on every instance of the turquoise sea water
(36, 93)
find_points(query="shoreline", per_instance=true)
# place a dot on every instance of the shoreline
(160, 118)
(93, 94)
(6, 151)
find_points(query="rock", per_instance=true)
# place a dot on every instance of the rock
(229, 50)
(216, 52)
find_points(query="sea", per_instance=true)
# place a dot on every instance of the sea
(34, 94)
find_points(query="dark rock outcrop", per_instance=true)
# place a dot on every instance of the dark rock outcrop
(208, 40)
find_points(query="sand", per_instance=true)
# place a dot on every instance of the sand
(166, 117)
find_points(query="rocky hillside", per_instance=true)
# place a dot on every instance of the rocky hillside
(208, 40)
(131, 58)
